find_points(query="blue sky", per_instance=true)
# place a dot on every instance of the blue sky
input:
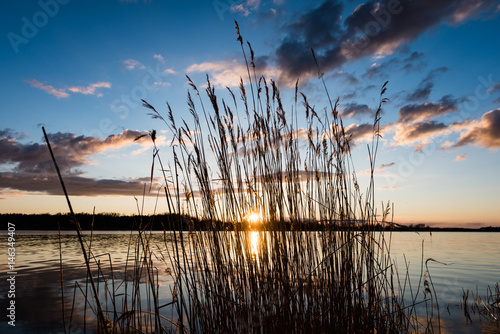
(80, 68)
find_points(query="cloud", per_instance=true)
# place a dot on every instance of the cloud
(384, 166)
(227, 73)
(71, 151)
(270, 15)
(27, 167)
(374, 28)
(484, 132)
(418, 112)
(59, 93)
(246, 7)
(347, 77)
(359, 132)
(425, 87)
(381, 70)
(320, 29)
(351, 110)
(419, 130)
(131, 64)
(494, 89)
(90, 89)
(379, 168)
(159, 57)
(413, 63)
(461, 157)
(393, 188)
(75, 185)
(63, 92)
(162, 83)
(418, 135)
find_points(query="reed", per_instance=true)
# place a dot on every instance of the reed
(236, 161)
(484, 307)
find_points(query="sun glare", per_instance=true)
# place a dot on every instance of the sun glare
(254, 218)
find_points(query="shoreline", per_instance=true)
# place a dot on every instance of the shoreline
(165, 222)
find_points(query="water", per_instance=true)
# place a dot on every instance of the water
(467, 261)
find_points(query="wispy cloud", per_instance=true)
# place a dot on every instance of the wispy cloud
(159, 57)
(346, 77)
(131, 64)
(425, 87)
(384, 166)
(246, 7)
(63, 92)
(461, 157)
(382, 69)
(59, 93)
(90, 89)
(413, 62)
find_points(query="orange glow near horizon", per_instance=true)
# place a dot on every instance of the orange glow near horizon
(254, 218)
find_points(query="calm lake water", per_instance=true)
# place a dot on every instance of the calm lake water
(467, 261)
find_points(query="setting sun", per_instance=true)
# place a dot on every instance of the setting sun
(254, 218)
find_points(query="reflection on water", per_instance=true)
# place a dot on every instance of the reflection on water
(254, 242)
(471, 258)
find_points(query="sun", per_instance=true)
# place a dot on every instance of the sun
(254, 218)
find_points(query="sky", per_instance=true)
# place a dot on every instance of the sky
(81, 68)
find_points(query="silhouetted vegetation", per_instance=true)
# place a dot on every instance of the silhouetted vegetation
(234, 276)
(168, 222)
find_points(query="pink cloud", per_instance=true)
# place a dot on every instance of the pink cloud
(159, 57)
(246, 8)
(131, 64)
(59, 93)
(90, 89)
(484, 132)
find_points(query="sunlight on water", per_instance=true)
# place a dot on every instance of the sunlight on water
(254, 242)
